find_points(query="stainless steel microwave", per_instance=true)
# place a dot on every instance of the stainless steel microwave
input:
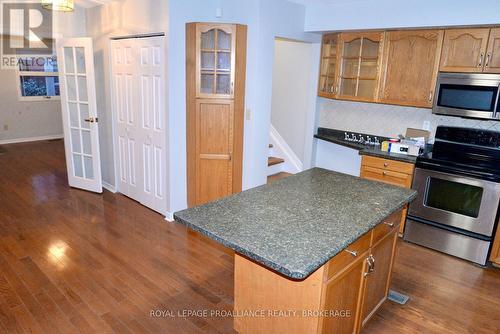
(472, 95)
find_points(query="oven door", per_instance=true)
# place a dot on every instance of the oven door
(467, 95)
(465, 203)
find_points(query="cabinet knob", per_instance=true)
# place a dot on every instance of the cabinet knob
(389, 224)
(353, 253)
(386, 164)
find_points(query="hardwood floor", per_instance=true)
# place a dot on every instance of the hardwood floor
(72, 261)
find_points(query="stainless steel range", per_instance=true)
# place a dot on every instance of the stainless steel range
(459, 193)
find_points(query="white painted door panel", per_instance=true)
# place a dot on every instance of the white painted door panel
(138, 70)
(79, 111)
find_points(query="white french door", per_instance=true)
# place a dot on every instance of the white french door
(79, 112)
(138, 69)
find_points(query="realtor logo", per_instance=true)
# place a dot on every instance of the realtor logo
(26, 29)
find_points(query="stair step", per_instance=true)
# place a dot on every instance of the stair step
(276, 177)
(271, 161)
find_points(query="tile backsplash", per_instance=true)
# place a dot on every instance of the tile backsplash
(387, 120)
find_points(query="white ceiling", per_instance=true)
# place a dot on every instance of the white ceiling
(91, 3)
(321, 2)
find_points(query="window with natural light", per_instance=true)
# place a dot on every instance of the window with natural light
(38, 78)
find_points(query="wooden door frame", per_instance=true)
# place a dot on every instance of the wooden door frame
(114, 116)
(238, 100)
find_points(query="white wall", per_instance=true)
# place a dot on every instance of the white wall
(265, 20)
(26, 120)
(294, 73)
(376, 14)
(128, 17)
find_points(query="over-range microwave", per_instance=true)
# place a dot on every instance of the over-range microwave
(472, 95)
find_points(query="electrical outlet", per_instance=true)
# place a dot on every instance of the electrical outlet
(248, 114)
(426, 126)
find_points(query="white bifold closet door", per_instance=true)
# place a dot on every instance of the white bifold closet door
(138, 71)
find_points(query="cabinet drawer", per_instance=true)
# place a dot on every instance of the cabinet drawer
(386, 176)
(345, 257)
(386, 227)
(385, 164)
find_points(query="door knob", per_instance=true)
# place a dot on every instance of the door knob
(91, 120)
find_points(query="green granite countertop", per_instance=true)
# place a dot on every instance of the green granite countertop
(296, 224)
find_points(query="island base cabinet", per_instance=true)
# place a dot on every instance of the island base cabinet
(339, 297)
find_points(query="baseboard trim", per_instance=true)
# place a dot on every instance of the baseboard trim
(169, 216)
(29, 139)
(109, 187)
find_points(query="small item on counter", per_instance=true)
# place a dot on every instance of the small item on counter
(400, 148)
(385, 146)
(417, 133)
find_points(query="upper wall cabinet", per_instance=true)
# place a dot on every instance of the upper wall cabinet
(215, 52)
(359, 63)
(327, 77)
(410, 66)
(492, 62)
(464, 50)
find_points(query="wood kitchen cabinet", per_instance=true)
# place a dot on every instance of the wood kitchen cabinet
(464, 50)
(409, 68)
(215, 86)
(359, 64)
(397, 173)
(495, 249)
(327, 86)
(471, 50)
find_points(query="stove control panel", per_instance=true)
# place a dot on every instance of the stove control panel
(479, 137)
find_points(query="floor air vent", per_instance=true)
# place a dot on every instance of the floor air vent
(398, 297)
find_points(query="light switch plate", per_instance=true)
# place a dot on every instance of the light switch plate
(426, 126)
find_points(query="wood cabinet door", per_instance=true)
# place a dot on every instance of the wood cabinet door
(464, 50)
(327, 86)
(359, 64)
(215, 60)
(343, 293)
(214, 149)
(410, 66)
(492, 62)
(377, 282)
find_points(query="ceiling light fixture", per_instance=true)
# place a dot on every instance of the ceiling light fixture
(59, 5)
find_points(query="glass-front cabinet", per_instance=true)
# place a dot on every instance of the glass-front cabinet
(328, 68)
(359, 62)
(215, 55)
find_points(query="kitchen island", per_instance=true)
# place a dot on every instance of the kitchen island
(314, 251)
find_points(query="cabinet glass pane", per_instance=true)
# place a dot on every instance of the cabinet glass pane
(224, 61)
(352, 49)
(223, 40)
(327, 84)
(207, 60)
(366, 88)
(348, 87)
(223, 84)
(207, 83)
(368, 69)
(350, 68)
(208, 40)
(331, 67)
(370, 49)
(329, 48)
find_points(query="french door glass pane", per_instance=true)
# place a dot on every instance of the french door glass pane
(75, 141)
(207, 60)
(82, 88)
(77, 165)
(223, 84)
(84, 114)
(208, 40)
(207, 83)
(223, 40)
(71, 83)
(86, 142)
(454, 197)
(89, 170)
(73, 115)
(80, 60)
(69, 61)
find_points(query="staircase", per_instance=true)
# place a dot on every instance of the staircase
(275, 165)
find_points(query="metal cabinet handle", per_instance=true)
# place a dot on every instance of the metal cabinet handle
(389, 224)
(353, 253)
(91, 120)
(481, 56)
(430, 96)
(487, 63)
(371, 265)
